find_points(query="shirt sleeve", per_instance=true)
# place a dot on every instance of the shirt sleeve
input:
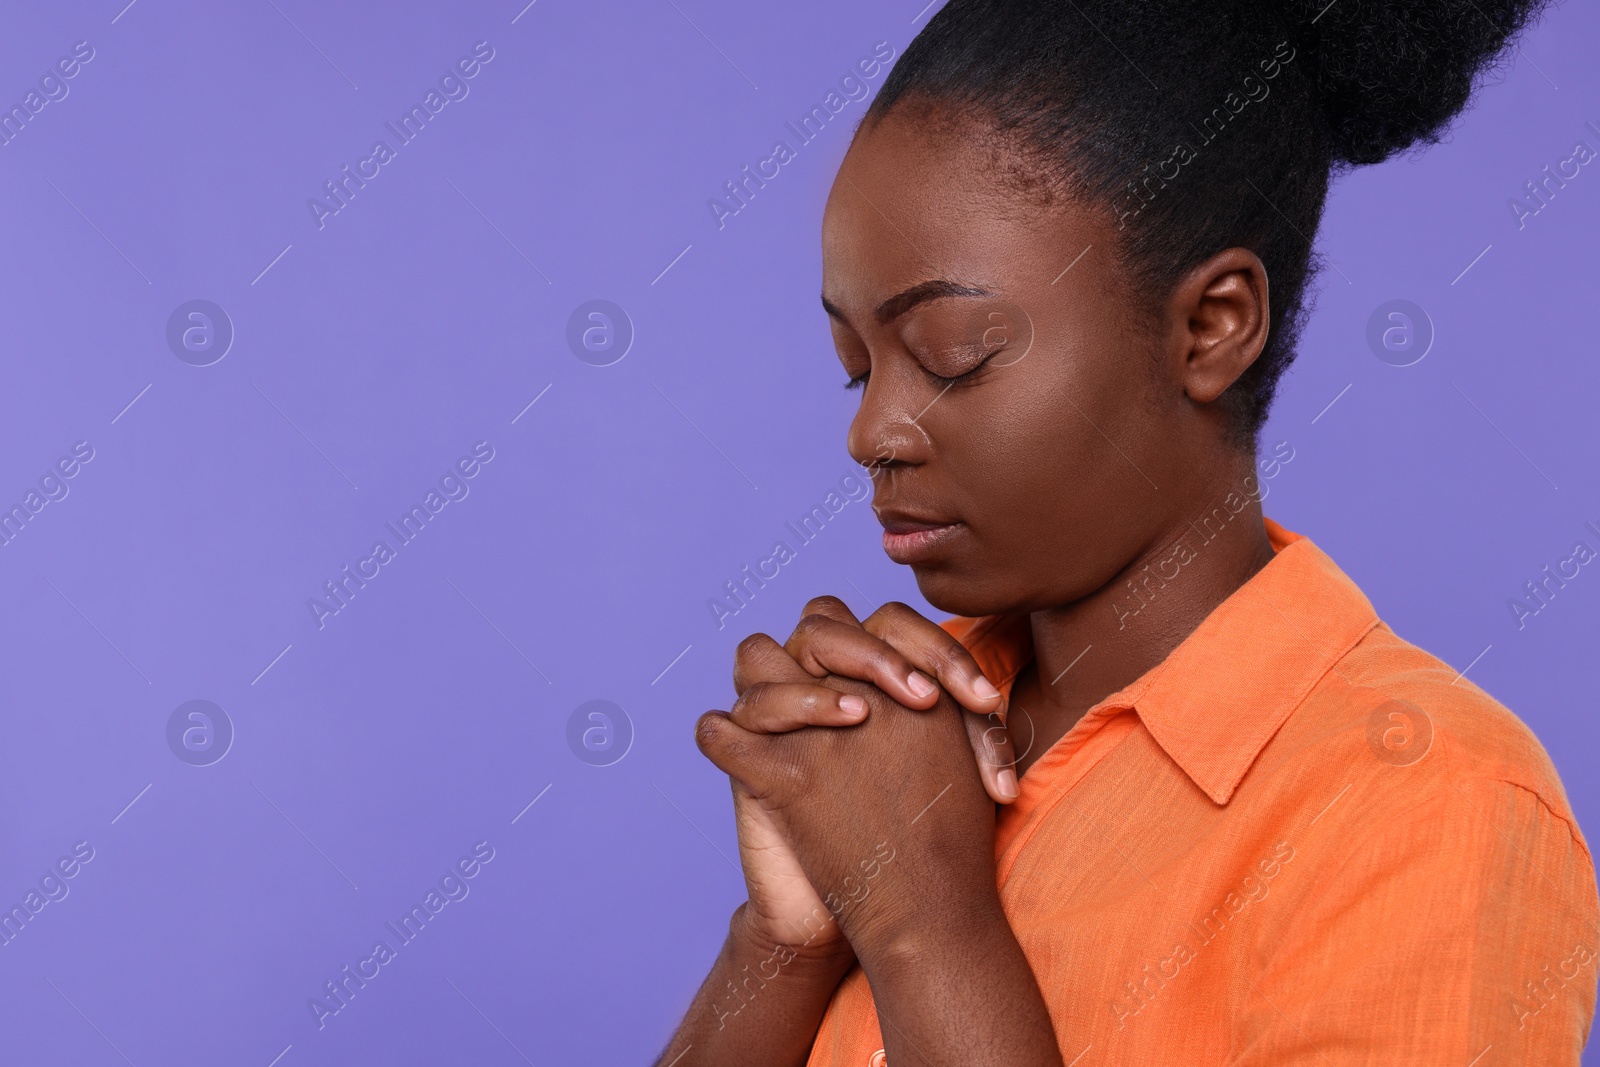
(1464, 931)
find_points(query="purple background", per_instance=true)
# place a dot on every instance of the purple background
(424, 317)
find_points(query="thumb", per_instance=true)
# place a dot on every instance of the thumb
(996, 756)
(734, 751)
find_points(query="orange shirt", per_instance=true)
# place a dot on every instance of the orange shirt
(1298, 840)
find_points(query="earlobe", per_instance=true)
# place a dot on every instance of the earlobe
(1224, 301)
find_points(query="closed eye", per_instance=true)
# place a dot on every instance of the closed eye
(860, 380)
(956, 379)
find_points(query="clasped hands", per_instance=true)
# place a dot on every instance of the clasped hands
(865, 823)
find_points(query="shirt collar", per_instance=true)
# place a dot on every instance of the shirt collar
(1218, 698)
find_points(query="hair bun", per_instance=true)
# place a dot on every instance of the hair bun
(1393, 73)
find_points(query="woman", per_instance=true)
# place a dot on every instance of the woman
(1239, 820)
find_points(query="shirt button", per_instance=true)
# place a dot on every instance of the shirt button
(878, 1059)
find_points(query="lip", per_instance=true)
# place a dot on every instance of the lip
(914, 540)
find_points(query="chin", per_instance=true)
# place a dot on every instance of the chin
(961, 592)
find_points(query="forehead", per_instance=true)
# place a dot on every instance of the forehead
(923, 195)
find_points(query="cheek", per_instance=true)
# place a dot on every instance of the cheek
(1046, 462)
(1045, 437)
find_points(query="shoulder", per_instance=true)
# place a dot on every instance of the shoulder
(1417, 714)
(1438, 868)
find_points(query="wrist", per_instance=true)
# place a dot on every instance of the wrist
(961, 927)
(960, 982)
(826, 955)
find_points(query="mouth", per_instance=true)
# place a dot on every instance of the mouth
(913, 541)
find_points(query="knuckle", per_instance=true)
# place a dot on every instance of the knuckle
(952, 659)
(754, 697)
(750, 645)
(899, 611)
(811, 624)
(998, 737)
(995, 747)
(824, 604)
(707, 729)
(885, 659)
(893, 619)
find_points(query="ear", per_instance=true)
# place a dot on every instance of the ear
(1220, 311)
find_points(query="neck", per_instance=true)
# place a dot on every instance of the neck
(1089, 649)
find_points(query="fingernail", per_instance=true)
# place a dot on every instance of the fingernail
(1007, 780)
(919, 684)
(853, 706)
(985, 689)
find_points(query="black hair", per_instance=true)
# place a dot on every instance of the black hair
(1204, 126)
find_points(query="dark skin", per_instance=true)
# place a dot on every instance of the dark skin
(1037, 437)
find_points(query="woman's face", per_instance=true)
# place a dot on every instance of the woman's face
(1019, 418)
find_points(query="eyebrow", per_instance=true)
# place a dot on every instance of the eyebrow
(903, 302)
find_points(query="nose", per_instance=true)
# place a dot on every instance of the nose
(884, 435)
